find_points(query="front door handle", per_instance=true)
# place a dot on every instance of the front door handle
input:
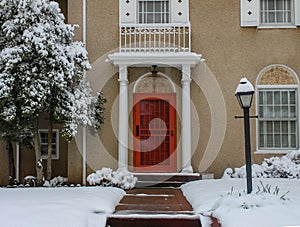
(137, 130)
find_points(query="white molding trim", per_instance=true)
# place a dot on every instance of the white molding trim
(274, 151)
(160, 59)
(149, 74)
(274, 65)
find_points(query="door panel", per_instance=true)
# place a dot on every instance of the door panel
(155, 132)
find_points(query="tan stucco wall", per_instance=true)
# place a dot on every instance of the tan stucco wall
(231, 52)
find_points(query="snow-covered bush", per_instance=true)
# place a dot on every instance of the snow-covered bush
(56, 182)
(29, 181)
(107, 177)
(287, 166)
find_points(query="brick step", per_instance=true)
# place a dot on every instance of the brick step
(152, 221)
(164, 180)
(154, 207)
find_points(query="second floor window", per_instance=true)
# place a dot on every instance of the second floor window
(274, 12)
(151, 12)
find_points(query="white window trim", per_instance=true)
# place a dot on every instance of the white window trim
(56, 156)
(257, 87)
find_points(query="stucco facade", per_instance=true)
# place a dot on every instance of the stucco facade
(230, 52)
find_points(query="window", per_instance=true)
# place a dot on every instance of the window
(43, 134)
(270, 13)
(277, 110)
(153, 12)
(277, 119)
(276, 12)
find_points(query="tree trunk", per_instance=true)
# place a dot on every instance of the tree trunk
(37, 149)
(49, 158)
(11, 161)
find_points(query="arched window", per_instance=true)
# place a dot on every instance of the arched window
(277, 109)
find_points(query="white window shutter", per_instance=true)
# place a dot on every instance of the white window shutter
(249, 13)
(297, 12)
(127, 11)
(179, 11)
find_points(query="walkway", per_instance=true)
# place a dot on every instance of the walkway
(154, 207)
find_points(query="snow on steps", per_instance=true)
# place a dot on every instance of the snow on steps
(154, 207)
(164, 179)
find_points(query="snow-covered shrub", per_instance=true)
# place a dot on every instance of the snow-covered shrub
(287, 166)
(264, 197)
(56, 182)
(106, 177)
(30, 181)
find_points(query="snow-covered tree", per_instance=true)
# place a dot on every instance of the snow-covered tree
(40, 58)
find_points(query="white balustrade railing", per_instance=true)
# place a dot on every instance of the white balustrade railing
(155, 38)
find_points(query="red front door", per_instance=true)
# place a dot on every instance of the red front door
(154, 132)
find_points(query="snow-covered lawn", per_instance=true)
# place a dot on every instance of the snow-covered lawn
(224, 199)
(65, 207)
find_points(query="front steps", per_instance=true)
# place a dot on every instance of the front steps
(164, 179)
(154, 207)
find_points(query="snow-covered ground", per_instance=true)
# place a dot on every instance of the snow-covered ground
(64, 206)
(225, 199)
(89, 206)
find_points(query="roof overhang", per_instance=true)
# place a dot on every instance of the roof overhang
(133, 59)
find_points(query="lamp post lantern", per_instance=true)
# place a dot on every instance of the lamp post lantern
(244, 94)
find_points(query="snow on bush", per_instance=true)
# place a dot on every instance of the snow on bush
(106, 177)
(287, 166)
(56, 182)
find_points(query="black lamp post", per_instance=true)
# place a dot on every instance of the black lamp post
(244, 94)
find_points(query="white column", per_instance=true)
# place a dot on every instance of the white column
(123, 117)
(186, 119)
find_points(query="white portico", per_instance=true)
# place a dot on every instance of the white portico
(155, 33)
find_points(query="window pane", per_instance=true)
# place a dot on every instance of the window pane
(149, 18)
(149, 7)
(159, 7)
(284, 97)
(293, 127)
(44, 149)
(293, 141)
(277, 112)
(270, 140)
(261, 97)
(293, 112)
(285, 112)
(292, 97)
(271, 18)
(277, 97)
(279, 5)
(269, 97)
(284, 127)
(277, 141)
(277, 127)
(270, 5)
(285, 142)
(261, 140)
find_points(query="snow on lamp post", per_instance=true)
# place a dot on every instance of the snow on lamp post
(244, 94)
